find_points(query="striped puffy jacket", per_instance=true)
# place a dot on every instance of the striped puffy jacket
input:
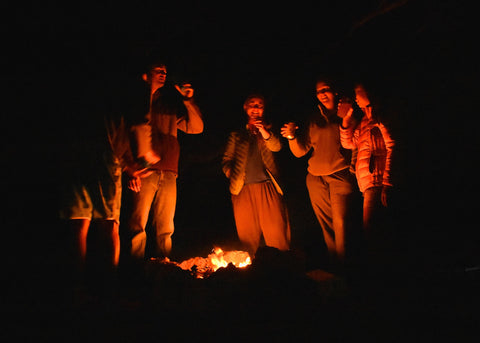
(375, 146)
(235, 158)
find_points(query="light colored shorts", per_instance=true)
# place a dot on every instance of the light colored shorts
(95, 200)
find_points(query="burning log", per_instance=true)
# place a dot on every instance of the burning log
(204, 267)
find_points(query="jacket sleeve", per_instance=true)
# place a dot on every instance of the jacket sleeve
(389, 144)
(193, 121)
(347, 137)
(273, 143)
(229, 155)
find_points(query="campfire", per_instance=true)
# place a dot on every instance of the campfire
(201, 267)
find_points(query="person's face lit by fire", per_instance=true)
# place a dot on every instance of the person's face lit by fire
(325, 95)
(254, 108)
(361, 96)
(156, 77)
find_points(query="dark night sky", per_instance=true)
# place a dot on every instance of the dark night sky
(84, 57)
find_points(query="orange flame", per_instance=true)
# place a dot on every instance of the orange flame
(217, 259)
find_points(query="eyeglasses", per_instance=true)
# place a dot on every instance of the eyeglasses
(260, 107)
(324, 90)
(159, 71)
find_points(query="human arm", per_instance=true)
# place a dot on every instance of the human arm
(348, 138)
(229, 155)
(389, 145)
(273, 143)
(272, 140)
(385, 195)
(193, 122)
(131, 165)
(297, 148)
(135, 176)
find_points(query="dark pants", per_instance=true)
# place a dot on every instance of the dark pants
(331, 197)
(377, 234)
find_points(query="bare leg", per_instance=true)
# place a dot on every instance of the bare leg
(79, 229)
(110, 242)
(107, 246)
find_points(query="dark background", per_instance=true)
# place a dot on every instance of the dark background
(78, 59)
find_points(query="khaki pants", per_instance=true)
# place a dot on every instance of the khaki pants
(259, 209)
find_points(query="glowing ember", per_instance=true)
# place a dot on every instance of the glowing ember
(217, 259)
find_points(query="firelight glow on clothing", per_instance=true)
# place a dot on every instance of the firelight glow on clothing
(375, 146)
(329, 181)
(158, 193)
(257, 199)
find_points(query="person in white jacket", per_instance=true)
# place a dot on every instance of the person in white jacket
(375, 145)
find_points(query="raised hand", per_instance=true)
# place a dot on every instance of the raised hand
(259, 124)
(289, 130)
(345, 111)
(185, 90)
(344, 107)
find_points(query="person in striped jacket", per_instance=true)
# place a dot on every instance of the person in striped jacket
(257, 199)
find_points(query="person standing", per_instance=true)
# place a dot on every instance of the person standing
(329, 182)
(153, 178)
(375, 146)
(257, 199)
(91, 200)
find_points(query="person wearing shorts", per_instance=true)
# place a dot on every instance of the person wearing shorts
(90, 207)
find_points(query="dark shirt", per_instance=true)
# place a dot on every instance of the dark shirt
(165, 112)
(255, 170)
(323, 136)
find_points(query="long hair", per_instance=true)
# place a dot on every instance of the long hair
(329, 81)
(376, 96)
(321, 121)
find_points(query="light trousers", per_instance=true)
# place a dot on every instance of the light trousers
(157, 197)
(259, 209)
